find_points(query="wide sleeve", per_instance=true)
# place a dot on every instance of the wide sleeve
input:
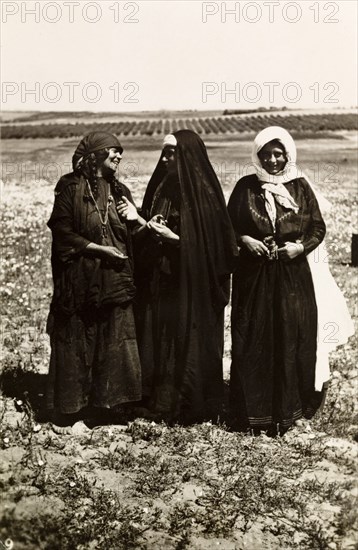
(235, 208)
(317, 228)
(67, 244)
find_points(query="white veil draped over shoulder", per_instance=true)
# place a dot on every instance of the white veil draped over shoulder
(334, 323)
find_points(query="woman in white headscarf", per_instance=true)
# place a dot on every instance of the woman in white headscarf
(279, 353)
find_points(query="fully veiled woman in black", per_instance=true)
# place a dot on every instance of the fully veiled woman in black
(277, 222)
(185, 257)
(94, 358)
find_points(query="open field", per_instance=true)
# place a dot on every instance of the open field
(301, 122)
(144, 485)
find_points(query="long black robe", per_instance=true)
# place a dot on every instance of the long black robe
(182, 292)
(94, 355)
(274, 314)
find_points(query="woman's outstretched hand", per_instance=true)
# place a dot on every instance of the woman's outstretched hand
(108, 253)
(290, 251)
(255, 247)
(162, 233)
(112, 254)
(127, 210)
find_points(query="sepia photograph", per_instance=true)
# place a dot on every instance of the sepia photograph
(178, 283)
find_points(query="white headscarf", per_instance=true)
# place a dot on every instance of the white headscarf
(273, 185)
(170, 141)
(291, 170)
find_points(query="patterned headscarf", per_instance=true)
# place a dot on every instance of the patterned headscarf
(93, 142)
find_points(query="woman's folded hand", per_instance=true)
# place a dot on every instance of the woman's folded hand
(255, 247)
(290, 251)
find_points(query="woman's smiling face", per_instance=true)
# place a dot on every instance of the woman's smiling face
(273, 157)
(111, 163)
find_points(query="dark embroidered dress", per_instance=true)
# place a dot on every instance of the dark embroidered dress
(274, 314)
(94, 359)
(182, 291)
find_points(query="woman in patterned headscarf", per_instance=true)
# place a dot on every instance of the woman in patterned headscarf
(94, 358)
(183, 270)
(278, 222)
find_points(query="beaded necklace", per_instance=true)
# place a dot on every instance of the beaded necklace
(104, 219)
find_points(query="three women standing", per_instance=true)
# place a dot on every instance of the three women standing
(185, 251)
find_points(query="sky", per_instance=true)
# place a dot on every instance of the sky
(160, 54)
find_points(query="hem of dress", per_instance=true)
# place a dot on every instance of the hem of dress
(270, 420)
(121, 401)
(88, 403)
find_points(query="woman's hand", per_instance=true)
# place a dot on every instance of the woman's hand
(290, 251)
(162, 233)
(127, 210)
(109, 253)
(255, 247)
(112, 253)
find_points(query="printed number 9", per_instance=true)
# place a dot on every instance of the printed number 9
(8, 544)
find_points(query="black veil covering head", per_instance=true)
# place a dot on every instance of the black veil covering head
(208, 253)
(208, 246)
